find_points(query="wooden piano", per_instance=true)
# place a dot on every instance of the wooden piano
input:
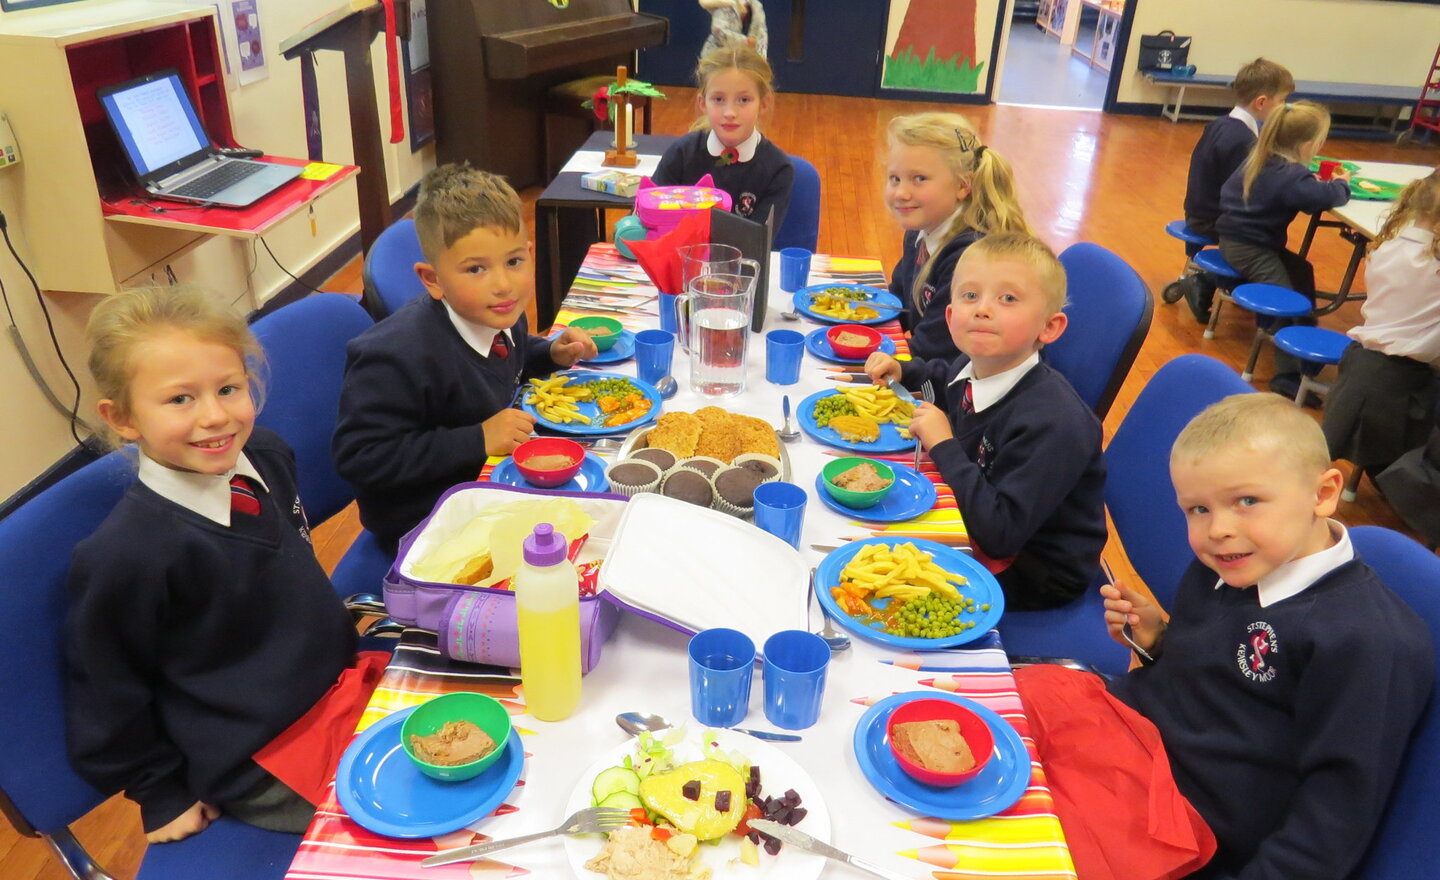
(493, 61)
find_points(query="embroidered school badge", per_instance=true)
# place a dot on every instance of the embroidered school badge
(927, 294)
(1256, 654)
(745, 205)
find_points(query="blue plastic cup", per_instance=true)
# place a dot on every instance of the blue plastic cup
(794, 269)
(654, 350)
(668, 321)
(783, 350)
(780, 510)
(795, 665)
(722, 662)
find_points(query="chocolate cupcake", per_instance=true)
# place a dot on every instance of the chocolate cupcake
(687, 485)
(631, 476)
(735, 490)
(664, 459)
(703, 464)
(766, 467)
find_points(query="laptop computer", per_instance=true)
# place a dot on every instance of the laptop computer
(164, 142)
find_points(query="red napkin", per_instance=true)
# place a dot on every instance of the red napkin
(660, 258)
(1124, 818)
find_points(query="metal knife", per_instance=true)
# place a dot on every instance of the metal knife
(901, 392)
(796, 837)
(767, 735)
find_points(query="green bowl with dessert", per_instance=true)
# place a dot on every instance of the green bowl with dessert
(456, 737)
(604, 332)
(858, 482)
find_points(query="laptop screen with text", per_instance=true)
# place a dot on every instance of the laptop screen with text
(155, 121)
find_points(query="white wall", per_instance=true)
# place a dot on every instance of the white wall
(267, 115)
(1362, 41)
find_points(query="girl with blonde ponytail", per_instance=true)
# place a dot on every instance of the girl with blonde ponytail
(1263, 196)
(947, 190)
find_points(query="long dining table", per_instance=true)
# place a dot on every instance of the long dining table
(643, 668)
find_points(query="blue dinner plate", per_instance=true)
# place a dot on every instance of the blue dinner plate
(981, 586)
(817, 344)
(912, 495)
(622, 350)
(999, 784)
(589, 408)
(591, 477)
(890, 439)
(806, 295)
(383, 791)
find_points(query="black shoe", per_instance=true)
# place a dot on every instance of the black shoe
(1198, 295)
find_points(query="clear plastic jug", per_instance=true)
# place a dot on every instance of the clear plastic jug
(714, 322)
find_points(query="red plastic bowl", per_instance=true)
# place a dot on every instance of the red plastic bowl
(548, 479)
(976, 732)
(857, 352)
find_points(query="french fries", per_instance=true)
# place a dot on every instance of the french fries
(840, 308)
(882, 405)
(555, 400)
(900, 571)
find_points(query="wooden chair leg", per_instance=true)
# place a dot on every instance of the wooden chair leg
(1215, 305)
(1254, 355)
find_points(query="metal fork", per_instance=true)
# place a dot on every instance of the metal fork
(927, 392)
(586, 821)
(1124, 624)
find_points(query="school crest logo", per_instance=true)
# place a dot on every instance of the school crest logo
(745, 204)
(298, 510)
(983, 452)
(927, 294)
(1256, 654)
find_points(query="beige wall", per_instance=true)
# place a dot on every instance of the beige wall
(267, 115)
(1364, 41)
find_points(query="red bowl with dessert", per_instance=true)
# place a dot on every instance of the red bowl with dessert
(548, 462)
(853, 340)
(938, 742)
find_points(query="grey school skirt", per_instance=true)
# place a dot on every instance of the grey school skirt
(1381, 407)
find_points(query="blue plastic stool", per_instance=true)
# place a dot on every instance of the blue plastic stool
(1225, 278)
(1273, 301)
(1315, 345)
(1194, 243)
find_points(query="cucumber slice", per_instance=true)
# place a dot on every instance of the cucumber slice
(622, 799)
(615, 779)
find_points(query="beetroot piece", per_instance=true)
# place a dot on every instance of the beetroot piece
(691, 790)
(722, 801)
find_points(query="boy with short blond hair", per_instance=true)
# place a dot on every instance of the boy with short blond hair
(1008, 433)
(428, 390)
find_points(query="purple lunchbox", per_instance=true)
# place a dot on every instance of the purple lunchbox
(477, 624)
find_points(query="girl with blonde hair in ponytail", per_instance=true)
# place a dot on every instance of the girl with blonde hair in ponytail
(947, 190)
(1263, 196)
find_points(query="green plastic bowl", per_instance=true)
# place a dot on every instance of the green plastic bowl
(603, 341)
(485, 712)
(849, 497)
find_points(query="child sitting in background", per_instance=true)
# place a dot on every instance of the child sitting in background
(428, 390)
(1260, 200)
(201, 626)
(736, 88)
(1260, 87)
(1284, 686)
(1383, 404)
(742, 20)
(1009, 434)
(946, 189)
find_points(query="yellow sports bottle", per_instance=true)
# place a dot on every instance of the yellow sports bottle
(547, 602)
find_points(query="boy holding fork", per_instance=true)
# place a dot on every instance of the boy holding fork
(1009, 434)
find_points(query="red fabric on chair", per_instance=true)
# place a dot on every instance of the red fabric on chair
(306, 754)
(1108, 773)
(660, 258)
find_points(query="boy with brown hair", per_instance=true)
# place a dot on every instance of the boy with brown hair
(1260, 87)
(428, 390)
(1009, 434)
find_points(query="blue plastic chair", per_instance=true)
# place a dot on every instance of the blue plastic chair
(1404, 844)
(1223, 276)
(1194, 243)
(305, 346)
(389, 270)
(801, 227)
(40, 792)
(1315, 345)
(1109, 311)
(1273, 302)
(1141, 501)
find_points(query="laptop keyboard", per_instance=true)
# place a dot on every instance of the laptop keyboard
(221, 178)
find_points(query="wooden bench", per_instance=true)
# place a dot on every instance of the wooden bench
(1380, 96)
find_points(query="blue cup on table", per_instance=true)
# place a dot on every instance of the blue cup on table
(780, 510)
(794, 269)
(668, 320)
(722, 663)
(795, 666)
(783, 350)
(654, 351)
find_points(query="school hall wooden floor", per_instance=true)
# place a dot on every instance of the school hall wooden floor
(1082, 176)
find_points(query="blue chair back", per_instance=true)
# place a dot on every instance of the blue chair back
(389, 270)
(1109, 311)
(1138, 491)
(1404, 844)
(801, 227)
(304, 344)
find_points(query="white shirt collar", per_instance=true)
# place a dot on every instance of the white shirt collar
(205, 494)
(477, 336)
(1296, 576)
(745, 148)
(935, 239)
(988, 391)
(1244, 116)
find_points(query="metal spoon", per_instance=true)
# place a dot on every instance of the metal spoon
(635, 722)
(667, 386)
(787, 431)
(837, 641)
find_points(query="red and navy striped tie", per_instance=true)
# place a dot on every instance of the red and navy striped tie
(242, 498)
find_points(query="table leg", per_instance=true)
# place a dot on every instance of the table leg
(550, 290)
(1309, 235)
(1341, 296)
